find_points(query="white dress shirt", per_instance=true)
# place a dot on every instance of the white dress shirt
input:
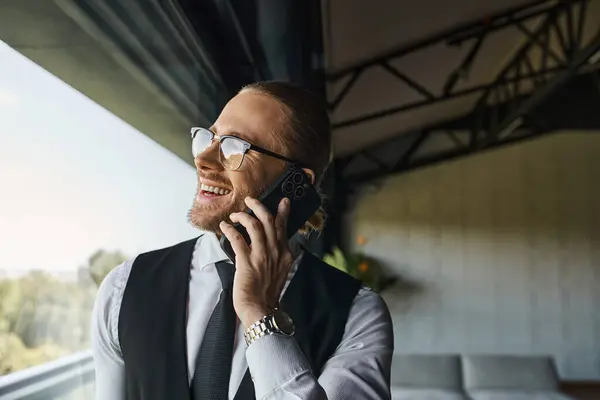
(359, 368)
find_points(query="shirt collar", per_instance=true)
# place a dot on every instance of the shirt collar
(207, 251)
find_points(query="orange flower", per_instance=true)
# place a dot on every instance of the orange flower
(363, 267)
(361, 240)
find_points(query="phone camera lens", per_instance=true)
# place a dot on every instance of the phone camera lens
(299, 192)
(288, 188)
(297, 178)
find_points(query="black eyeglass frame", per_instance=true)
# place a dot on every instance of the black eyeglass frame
(246, 146)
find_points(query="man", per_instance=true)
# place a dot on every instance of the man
(178, 323)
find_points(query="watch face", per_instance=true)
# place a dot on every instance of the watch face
(283, 322)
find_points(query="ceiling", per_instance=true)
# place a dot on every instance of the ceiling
(61, 38)
(359, 30)
(164, 67)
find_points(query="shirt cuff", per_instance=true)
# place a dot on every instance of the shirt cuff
(274, 360)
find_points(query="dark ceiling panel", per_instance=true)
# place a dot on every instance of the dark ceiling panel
(254, 40)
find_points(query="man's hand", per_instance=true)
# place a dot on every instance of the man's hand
(262, 269)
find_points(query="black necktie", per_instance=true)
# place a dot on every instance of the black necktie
(213, 362)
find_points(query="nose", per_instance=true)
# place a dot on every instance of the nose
(209, 158)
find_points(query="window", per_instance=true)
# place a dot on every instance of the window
(80, 191)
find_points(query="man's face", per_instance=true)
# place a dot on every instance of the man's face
(259, 120)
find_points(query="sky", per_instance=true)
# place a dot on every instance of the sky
(74, 178)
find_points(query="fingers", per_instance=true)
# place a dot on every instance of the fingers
(239, 245)
(266, 218)
(284, 277)
(281, 220)
(254, 228)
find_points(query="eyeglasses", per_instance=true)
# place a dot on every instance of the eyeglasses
(231, 149)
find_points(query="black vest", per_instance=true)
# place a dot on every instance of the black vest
(153, 318)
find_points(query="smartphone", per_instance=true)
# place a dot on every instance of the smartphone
(294, 184)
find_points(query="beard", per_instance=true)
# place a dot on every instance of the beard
(207, 217)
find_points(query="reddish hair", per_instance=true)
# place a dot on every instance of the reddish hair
(308, 138)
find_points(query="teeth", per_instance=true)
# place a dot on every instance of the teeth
(213, 189)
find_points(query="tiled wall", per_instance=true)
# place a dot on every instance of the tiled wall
(500, 251)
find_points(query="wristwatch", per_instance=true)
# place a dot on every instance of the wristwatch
(277, 322)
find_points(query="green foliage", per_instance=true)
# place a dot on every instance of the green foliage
(337, 260)
(43, 317)
(101, 263)
(361, 267)
(15, 356)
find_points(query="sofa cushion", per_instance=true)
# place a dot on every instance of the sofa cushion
(425, 394)
(426, 371)
(516, 395)
(526, 373)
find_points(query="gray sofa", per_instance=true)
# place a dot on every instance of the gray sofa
(474, 377)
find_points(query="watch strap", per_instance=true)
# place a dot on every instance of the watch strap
(263, 327)
(257, 330)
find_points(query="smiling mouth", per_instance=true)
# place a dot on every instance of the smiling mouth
(212, 191)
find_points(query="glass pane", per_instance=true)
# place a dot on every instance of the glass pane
(232, 152)
(201, 141)
(81, 192)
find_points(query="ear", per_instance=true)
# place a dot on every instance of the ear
(311, 174)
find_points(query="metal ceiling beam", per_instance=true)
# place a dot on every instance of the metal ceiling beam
(520, 103)
(477, 32)
(572, 107)
(575, 108)
(455, 35)
(436, 158)
(543, 92)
